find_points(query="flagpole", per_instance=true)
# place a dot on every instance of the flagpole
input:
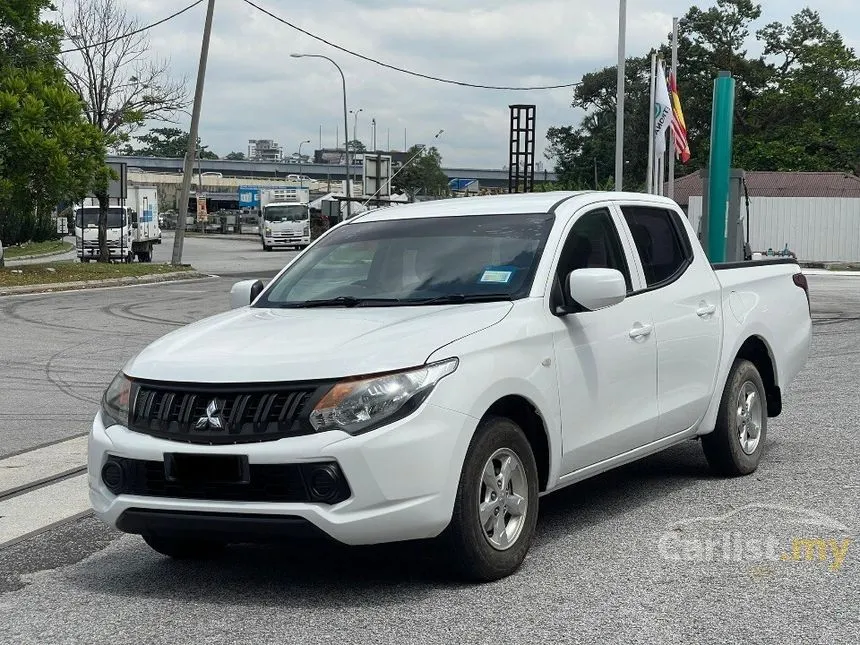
(650, 177)
(619, 97)
(672, 130)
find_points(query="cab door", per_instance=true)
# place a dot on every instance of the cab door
(606, 360)
(684, 297)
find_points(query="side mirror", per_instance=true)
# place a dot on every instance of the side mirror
(245, 292)
(596, 289)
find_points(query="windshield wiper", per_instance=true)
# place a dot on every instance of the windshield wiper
(340, 301)
(458, 298)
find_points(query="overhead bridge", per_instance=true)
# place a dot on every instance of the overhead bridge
(322, 172)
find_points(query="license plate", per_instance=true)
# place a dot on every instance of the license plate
(206, 469)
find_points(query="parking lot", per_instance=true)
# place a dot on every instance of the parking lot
(657, 551)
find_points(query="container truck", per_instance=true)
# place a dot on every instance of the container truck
(285, 218)
(132, 228)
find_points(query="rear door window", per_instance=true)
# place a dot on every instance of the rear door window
(661, 242)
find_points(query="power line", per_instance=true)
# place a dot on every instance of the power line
(135, 32)
(400, 69)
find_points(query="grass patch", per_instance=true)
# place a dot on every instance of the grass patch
(57, 272)
(37, 248)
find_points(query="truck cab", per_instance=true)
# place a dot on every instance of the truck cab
(285, 218)
(120, 223)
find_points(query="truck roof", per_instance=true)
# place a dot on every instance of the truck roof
(503, 204)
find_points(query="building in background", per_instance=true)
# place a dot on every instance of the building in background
(264, 150)
(815, 215)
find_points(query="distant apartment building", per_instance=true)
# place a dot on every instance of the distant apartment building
(264, 150)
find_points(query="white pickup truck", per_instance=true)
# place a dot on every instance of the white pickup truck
(431, 370)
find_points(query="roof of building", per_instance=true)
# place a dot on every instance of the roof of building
(779, 184)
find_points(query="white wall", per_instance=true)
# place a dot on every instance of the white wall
(817, 229)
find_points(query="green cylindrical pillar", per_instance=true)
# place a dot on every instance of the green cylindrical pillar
(722, 118)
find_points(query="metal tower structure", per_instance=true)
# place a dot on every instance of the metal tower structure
(521, 163)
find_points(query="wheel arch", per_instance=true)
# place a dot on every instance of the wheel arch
(526, 415)
(756, 350)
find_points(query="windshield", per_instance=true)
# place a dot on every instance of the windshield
(90, 217)
(413, 261)
(288, 213)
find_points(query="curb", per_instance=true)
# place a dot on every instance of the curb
(38, 256)
(225, 236)
(110, 282)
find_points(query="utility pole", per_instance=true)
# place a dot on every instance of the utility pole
(188, 169)
(619, 98)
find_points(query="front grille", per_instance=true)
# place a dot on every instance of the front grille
(267, 483)
(219, 415)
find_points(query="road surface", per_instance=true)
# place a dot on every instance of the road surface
(629, 556)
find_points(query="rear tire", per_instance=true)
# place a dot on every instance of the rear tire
(496, 508)
(736, 445)
(184, 549)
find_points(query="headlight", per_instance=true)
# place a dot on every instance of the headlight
(307, 231)
(358, 406)
(268, 231)
(116, 400)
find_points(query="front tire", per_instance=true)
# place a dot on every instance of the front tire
(184, 549)
(735, 446)
(496, 508)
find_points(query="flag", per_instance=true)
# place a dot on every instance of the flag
(662, 109)
(679, 126)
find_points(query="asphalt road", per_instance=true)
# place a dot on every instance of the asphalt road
(60, 350)
(629, 556)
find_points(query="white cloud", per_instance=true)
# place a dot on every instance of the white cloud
(254, 89)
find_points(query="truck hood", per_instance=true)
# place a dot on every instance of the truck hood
(265, 345)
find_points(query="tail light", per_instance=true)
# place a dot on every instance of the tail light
(801, 281)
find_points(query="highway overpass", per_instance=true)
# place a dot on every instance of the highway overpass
(262, 169)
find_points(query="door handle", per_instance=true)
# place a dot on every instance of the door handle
(641, 331)
(706, 310)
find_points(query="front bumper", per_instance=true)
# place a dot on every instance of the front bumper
(403, 480)
(113, 251)
(297, 240)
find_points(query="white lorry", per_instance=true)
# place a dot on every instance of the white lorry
(432, 370)
(133, 228)
(285, 218)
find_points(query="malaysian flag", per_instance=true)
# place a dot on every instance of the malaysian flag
(679, 127)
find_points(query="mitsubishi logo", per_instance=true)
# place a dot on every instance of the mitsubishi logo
(212, 420)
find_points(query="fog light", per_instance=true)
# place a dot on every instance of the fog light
(325, 483)
(113, 476)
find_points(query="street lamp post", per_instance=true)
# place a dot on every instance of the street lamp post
(354, 128)
(343, 80)
(301, 179)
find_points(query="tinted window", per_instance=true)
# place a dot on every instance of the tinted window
(657, 237)
(593, 243)
(413, 260)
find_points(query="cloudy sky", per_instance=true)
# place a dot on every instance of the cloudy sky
(255, 90)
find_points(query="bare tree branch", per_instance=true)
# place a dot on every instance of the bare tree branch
(119, 84)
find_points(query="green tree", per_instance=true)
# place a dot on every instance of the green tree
(577, 150)
(808, 118)
(48, 152)
(356, 146)
(423, 175)
(120, 86)
(796, 106)
(165, 142)
(235, 156)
